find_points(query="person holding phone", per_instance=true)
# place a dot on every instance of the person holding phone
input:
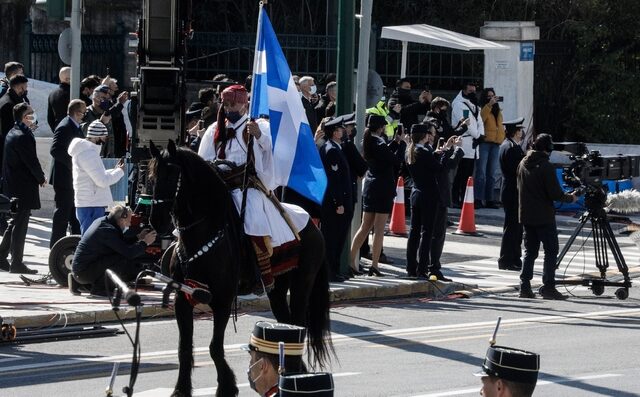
(487, 171)
(465, 106)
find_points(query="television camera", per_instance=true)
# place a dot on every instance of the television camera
(587, 174)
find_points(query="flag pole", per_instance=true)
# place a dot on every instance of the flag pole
(256, 59)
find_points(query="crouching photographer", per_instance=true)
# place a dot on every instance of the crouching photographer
(106, 246)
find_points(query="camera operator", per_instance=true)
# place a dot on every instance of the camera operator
(538, 188)
(106, 246)
(409, 109)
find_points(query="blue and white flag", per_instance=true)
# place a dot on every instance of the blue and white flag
(296, 159)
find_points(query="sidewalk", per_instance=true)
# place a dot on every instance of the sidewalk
(469, 261)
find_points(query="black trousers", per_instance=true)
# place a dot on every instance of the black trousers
(510, 247)
(439, 234)
(465, 170)
(63, 216)
(547, 235)
(14, 236)
(423, 216)
(94, 274)
(334, 228)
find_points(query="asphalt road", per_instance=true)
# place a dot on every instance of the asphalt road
(406, 347)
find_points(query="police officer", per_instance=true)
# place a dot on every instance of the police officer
(508, 372)
(510, 155)
(264, 366)
(307, 385)
(423, 165)
(337, 206)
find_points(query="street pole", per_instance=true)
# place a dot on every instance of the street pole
(76, 48)
(344, 76)
(363, 65)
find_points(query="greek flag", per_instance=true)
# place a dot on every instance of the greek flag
(296, 158)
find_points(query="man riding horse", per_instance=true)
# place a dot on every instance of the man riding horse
(246, 146)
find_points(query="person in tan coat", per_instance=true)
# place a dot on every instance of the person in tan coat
(488, 159)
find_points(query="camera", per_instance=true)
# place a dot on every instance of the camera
(500, 99)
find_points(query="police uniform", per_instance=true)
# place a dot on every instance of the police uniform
(357, 164)
(265, 338)
(339, 193)
(513, 365)
(510, 156)
(424, 202)
(309, 385)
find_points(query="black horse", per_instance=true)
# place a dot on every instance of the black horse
(210, 249)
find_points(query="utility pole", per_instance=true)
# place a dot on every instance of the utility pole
(76, 48)
(346, 29)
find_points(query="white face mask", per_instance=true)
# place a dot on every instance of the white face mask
(124, 229)
(313, 89)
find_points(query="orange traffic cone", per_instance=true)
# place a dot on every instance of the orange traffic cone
(467, 225)
(398, 226)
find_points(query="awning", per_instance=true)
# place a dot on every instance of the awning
(431, 35)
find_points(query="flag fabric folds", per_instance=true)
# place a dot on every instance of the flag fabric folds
(296, 159)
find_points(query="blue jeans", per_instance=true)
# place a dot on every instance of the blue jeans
(487, 171)
(86, 216)
(533, 236)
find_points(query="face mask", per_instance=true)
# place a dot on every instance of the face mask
(233, 117)
(105, 104)
(404, 92)
(252, 382)
(33, 118)
(313, 89)
(383, 99)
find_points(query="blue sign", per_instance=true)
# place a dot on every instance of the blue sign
(527, 51)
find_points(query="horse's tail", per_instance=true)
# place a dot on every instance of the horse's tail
(319, 325)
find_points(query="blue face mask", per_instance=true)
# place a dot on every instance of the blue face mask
(233, 117)
(105, 104)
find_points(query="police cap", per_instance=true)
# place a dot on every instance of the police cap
(349, 119)
(332, 125)
(313, 384)
(266, 336)
(514, 365)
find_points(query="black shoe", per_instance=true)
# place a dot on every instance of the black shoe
(353, 272)
(74, 286)
(492, 204)
(512, 267)
(438, 274)
(478, 204)
(374, 272)
(21, 268)
(384, 259)
(553, 294)
(5, 265)
(362, 269)
(423, 276)
(412, 274)
(337, 278)
(526, 293)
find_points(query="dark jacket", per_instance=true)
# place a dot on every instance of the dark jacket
(22, 173)
(58, 103)
(424, 173)
(339, 191)
(7, 102)
(105, 239)
(383, 167)
(410, 109)
(325, 108)
(538, 188)
(452, 157)
(357, 166)
(4, 86)
(61, 177)
(510, 156)
(310, 110)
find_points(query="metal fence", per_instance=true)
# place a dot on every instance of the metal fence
(101, 55)
(212, 53)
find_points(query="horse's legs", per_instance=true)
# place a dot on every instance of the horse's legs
(226, 379)
(278, 298)
(184, 317)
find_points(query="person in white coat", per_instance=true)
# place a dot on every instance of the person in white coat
(465, 105)
(91, 180)
(263, 223)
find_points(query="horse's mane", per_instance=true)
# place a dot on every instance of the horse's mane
(204, 177)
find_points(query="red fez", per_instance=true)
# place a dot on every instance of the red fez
(235, 94)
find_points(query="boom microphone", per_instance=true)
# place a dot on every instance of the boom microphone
(132, 297)
(199, 294)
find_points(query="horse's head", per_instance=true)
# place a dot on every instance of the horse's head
(165, 175)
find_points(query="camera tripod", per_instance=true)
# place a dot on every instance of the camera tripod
(603, 241)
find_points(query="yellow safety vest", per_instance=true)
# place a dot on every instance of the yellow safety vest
(381, 110)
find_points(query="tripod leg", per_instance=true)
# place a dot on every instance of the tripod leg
(600, 247)
(615, 250)
(567, 246)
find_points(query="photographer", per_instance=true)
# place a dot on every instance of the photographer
(105, 246)
(538, 188)
(409, 109)
(488, 155)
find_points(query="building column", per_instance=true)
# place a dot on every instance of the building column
(510, 72)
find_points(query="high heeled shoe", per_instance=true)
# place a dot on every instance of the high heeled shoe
(374, 272)
(355, 272)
